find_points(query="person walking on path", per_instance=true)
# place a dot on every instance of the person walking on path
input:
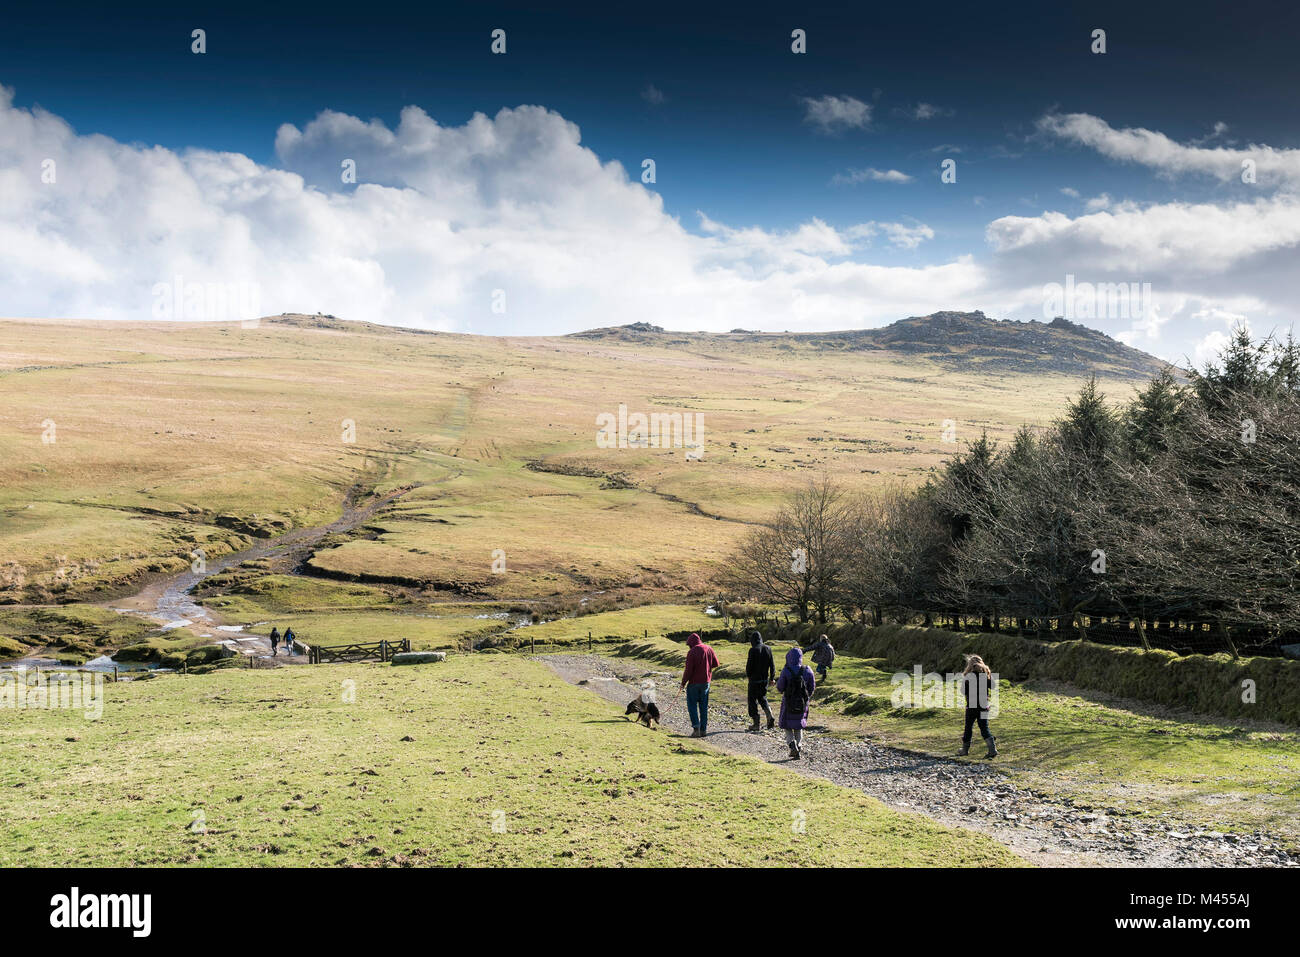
(796, 685)
(275, 640)
(289, 638)
(977, 683)
(696, 677)
(760, 669)
(823, 656)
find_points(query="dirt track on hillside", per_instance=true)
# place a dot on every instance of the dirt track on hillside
(966, 794)
(168, 600)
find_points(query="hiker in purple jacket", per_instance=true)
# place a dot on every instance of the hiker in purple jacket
(796, 685)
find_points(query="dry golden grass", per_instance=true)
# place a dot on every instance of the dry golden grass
(161, 428)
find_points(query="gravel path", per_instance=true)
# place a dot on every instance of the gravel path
(972, 795)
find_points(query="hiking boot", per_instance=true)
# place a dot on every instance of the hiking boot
(771, 722)
(993, 748)
(965, 749)
(754, 726)
(794, 752)
(695, 733)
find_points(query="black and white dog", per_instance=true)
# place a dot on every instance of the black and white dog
(644, 707)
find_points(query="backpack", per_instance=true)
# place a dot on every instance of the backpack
(796, 695)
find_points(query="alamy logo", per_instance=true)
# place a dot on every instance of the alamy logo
(1103, 300)
(933, 690)
(75, 909)
(658, 430)
(180, 300)
(23, 688)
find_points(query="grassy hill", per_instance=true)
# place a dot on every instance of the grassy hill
(124, 447)
(127, 449)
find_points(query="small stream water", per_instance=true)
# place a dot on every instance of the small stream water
(169, 601)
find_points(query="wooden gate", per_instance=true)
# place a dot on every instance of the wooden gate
(382, 650)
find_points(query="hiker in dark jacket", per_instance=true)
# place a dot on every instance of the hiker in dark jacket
(289, 638)
(760, 669)
(796, 685)
(275, 640)
(696, 677)
(823, 656)
(977, 684)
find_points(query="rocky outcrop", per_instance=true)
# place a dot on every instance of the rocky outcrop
(970, 341)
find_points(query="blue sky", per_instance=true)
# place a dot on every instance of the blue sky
(727, 112)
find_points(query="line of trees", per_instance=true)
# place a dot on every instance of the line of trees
(1178, 511)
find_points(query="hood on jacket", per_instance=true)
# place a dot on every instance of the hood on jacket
(756, 638)
(693, 640)
(794, 659)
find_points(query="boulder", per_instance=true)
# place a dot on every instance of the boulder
(418, 657)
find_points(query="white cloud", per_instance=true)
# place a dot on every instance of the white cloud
(1225, 262)
(924, 111)
(900, 235)
(1187, 238)
(1159, 152)
(1199, 259)
(653, 95)
(439, 219)
(1216, 313)
(832, 113)
(870, 174)
(442, 216)
(1209, 348)
(909, 237)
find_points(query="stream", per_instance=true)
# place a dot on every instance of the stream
(169, 601)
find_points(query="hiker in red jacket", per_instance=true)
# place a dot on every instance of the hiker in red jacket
(700, 662)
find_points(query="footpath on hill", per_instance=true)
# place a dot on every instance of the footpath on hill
(974, 795)
(169, 600)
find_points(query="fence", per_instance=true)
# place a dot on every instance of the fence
(382, 650)
(559, 646)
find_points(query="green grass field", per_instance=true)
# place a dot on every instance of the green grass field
(330, 613)
(1068, 741)
(279, 767)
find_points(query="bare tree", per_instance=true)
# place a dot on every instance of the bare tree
(798, 559)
